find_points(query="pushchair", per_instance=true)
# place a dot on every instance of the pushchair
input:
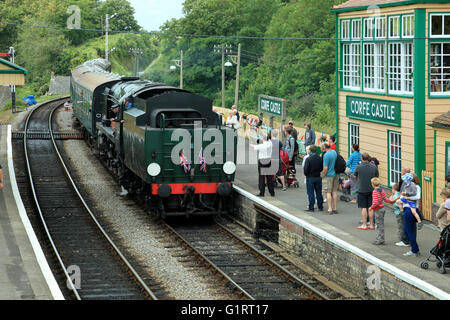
(346, 188)
(440, 253)
(288, 171)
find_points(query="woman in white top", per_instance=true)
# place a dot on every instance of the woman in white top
(232, 119)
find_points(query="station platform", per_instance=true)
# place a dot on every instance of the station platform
(344, 225)
(24, 272)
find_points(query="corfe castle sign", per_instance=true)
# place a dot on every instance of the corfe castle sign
(374, 110)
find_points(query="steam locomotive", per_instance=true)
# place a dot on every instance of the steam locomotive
(166, 145)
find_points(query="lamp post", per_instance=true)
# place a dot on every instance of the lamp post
(223, 49)
(136, 52)
(106, 34)
(179, 64)
(12, 55)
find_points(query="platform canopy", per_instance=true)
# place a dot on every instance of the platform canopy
(11, 74)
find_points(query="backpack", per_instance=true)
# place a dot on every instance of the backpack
(340, 164)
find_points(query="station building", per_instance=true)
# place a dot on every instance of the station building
(11, 74)
(392, 81)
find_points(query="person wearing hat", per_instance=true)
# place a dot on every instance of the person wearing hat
(115, 108)
(409, 190)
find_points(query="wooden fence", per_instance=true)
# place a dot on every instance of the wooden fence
(427, 195)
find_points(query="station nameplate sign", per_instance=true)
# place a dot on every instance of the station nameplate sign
(271, 105)
(374, 110)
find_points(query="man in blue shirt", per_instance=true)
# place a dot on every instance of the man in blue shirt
(330, 179)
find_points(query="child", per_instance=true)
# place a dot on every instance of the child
(409, 189)
(378, 199)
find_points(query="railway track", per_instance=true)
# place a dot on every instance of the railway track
(252, 273)
(91, 262)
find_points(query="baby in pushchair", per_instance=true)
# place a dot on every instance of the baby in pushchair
(441, 252)
(289, 171)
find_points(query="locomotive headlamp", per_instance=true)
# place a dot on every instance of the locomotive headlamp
(154, 169)
(229, 167)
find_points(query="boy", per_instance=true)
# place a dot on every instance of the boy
(378, 199)
(409, 189)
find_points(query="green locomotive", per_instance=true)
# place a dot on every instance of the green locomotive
(166, 145)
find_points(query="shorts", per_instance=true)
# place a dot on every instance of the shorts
(364, 200)
(330, 184)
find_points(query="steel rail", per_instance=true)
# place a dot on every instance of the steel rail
(272, 262)
(92, 216)
(30, 176)
(238, 287)
(55, 249)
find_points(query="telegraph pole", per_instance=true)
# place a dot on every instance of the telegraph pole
(223, 49)
(236, 96)
(136, 52)
(106, 34)
(106, 37)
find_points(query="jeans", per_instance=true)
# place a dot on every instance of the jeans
(314, 184)
(410, 227)
(379, 224)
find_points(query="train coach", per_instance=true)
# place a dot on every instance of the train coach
(166, 145)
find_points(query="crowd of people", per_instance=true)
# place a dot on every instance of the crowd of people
(324, 176)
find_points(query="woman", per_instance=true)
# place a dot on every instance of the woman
(352, 163)
(410, 222)
(232, 119)
(442, 214)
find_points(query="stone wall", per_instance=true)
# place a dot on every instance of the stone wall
(337, 264)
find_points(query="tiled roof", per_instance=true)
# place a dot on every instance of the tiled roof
(442, 121)
(364, 3)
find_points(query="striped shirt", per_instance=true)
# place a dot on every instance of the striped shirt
(378, 196)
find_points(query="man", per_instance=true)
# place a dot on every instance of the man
(331, 179)
(294, 131)
(277, 145)
(364, 174)
(447, 181)
(312, 168)
(332, 142)
(310, 135)
(265, 176)
(1, 178)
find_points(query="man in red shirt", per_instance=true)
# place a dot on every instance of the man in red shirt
(378, 199)
(332, 142)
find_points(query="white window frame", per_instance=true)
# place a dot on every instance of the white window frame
(353, 134)
(444, 82)
(408, 21)
(380, 27)
(401, 67)
(345, 30)
(356, 29)
(368, 27)
(395, 160)
(391, 27)
(374, 67)
(442, 35)
(351, 57)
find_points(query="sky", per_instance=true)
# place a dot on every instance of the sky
(151, 14)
